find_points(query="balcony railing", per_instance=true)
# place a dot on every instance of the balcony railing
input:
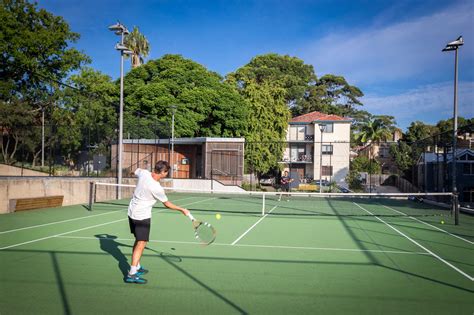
(305, 158)
(307, 138)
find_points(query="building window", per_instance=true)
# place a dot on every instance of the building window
(297, 152)
(297, 133)
(468, 169)
(329, 128)
(327, 149)
(327, 170)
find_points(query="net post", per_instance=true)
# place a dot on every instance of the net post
(91, 194)
(456, 208)
(263, 204)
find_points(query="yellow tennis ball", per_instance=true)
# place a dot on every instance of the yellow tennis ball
(218, 216)
(442, 222)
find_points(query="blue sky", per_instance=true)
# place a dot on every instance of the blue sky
(389, 49)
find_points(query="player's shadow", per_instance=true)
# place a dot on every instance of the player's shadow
(109, 245)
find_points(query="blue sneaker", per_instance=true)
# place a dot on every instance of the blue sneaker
(141, 271)
(134, 279)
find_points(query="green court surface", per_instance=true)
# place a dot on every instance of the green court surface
(71, 260)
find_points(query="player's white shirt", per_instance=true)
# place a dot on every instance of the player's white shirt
(147, 192)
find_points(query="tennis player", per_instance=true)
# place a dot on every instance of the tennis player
(147, 192)
(285, 185)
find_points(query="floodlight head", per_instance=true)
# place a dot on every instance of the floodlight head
(119, 29)
(454, 45)
(322, 127)
(457, 42)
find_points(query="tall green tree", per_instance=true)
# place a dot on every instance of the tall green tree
(341, 95)
(271, 84)
(267, 126)
(35, 55)
(34, 46)
(290, 74)
(205, 105)
(86, 115)
(138, 43)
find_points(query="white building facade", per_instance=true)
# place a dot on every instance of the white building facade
(311, 154)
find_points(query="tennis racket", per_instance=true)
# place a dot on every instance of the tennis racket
(204, 232)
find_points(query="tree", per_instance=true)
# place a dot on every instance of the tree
(418, 131)
(35, 57)
(364, 164)
(86, 116)
(374, 131)
(267, 126)
(402, 154)
(341, 95)
(34, 45)
(139, 45)
(290, 74)
(206, 106)
(271, 84)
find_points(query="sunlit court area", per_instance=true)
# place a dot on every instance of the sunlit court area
(341, 254)
(236, 157)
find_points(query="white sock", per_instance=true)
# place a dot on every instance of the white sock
(138, 266)
(133, 270)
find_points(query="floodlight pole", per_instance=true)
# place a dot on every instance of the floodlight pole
(121, 30)
(42, 136)
(454, 45)
(455, 136)
(321, 128)
(173, 111)
(120, 140)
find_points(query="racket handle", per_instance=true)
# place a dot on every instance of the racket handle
(190, 216)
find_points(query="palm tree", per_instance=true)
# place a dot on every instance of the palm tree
(373, 131)
(137, 42)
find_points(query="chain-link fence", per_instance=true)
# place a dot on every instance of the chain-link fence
(425, 165)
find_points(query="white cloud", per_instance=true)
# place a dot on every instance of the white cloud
(399, 51)
(428, 103)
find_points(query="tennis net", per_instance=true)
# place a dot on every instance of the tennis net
(289, 204)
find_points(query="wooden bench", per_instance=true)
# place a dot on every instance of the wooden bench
(21, 204)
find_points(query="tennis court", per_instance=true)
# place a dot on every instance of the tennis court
(327, 255)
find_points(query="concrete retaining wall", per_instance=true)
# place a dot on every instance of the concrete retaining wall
(76, 189)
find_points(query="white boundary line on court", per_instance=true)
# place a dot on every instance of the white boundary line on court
(418, 244)
(240, 237)
(56, 235)
(90, 227)
(259, 246)
(69, 220)
(57, 222)
(435, 227)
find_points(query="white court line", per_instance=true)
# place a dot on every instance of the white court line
(57, 222)
(258, 246)
(69, 220)
(56, 235)
(240, 237)
(418, 244)
(435, 227)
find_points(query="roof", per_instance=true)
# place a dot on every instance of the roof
(198, 140)
(317, 117)
(431, 157)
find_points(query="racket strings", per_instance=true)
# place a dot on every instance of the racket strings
(205, 233)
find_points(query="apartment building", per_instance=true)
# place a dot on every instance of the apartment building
(318, 143)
